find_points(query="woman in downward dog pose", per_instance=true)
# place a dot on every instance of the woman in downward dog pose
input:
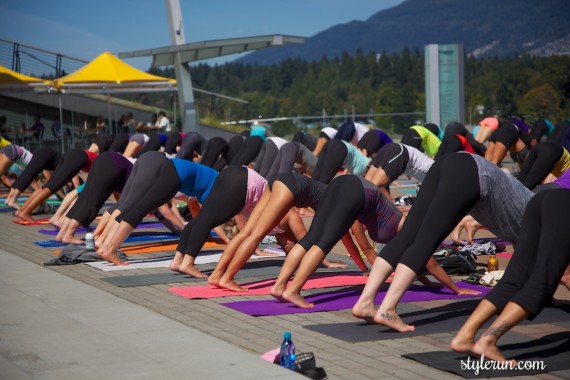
(530, 280)
(274, 211)
(456, 184)
(362, 201)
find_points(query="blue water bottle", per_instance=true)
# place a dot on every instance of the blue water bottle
(287, 349)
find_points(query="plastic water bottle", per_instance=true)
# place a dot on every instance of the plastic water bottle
(287, 350)
(89, 241)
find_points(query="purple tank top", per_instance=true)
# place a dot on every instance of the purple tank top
(380, 215)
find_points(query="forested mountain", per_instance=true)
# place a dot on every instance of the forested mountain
(485, 28)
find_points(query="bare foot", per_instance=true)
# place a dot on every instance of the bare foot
(334, 264)
(277, 292)
(72, 240)
(565, 280)
(266, 253)
(12, 204)
(111, 256)
(176, 262)
(364, 310)
(463, 345)
(463, 291)
(54, 222)
(231, 285)
(191, 270)
(486, 345)
(392, 320)
(214, 278)
(25, 216)
(296, 299)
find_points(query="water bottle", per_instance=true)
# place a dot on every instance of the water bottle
(492, 263)
(287, 350)
(89, 241)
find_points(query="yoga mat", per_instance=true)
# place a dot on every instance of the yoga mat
(262, 287)
(173, 277)
(131, 239)
(81, 230)
(506, 255)
(553, 350)
(36, 223)
(206, 257)
(341, 300)
(444, 319)
(155, 247)
(408, 191)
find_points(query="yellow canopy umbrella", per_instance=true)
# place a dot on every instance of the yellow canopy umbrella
(107, 73)
(12, 80)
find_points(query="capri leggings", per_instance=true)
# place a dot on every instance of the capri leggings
(266, 157)
(306, 191)
(191, 143)
(248, 151)
(285, 159)
(173, 139)
(226, 199)
(330, 160)
(393, 158)
(542, 255)
(104, 178)
(373, 140)
(234, 146)
(338, 208)
(149, 188)
(103, 141)
(71, 163)
(412, 138)
(43, 159)
(452, 184)
(120, 142)
(216, 147)
(153, 144)
(540, 161)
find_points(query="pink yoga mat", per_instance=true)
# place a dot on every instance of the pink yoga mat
(323, 280)
(341, 300)
(506, 255)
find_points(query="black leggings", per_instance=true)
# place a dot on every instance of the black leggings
(172, 141)
(450, 189)
(104, 178)
(265, 158)
(43, 159)
(248, 151)
(226, 199)
(412, 138)
(120, 142)
(542, 255)
(153, 144)
(216, 146)
(370, 141)
(191, 143)
(540, 161)
(285, 159)
(337, 210)
(71, 163)
(153, 182)
(330, 161)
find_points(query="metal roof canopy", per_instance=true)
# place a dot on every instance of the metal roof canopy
(197, 51)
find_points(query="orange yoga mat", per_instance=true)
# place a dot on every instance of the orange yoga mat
(324, 280)
(154, 247)
(36, 223)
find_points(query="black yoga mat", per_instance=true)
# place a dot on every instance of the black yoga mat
(448, 318)
(552, 350)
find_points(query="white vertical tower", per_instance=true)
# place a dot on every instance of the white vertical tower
(181, 69)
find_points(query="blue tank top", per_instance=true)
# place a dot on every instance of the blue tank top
(196, 180)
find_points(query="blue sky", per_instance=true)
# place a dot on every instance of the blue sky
(84, 29)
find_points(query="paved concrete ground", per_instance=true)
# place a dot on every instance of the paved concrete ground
(66, 323)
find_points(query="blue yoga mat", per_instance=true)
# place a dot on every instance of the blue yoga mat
(130, 239)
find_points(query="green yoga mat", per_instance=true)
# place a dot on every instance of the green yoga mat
(551, 350)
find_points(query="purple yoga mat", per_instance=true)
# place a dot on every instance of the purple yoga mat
(340, 300)
(82, 230)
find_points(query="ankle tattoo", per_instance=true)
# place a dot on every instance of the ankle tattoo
(499, 330)
(389, 317)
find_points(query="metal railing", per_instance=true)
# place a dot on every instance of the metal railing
(37, 62)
